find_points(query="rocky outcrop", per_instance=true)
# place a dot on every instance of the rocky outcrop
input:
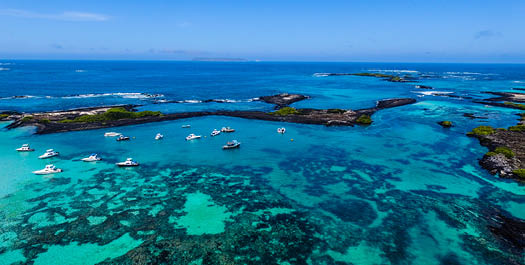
(507, 96)
(282, 100)
(51, 122)
(389, 78)
(506, 156)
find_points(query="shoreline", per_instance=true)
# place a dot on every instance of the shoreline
(53, 122)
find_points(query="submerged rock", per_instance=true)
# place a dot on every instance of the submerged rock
(445, 124)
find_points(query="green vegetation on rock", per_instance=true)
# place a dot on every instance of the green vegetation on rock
(445, 123)
(504, 151)
(517, 128)
(27, 118)
(2, 116)
(286, 111)
(45, 121)
(364, 119)
(112, 114)
(520, 173)
(516, 105)
(336, 111)
(482, 130)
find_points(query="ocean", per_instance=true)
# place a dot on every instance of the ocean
(403, 190)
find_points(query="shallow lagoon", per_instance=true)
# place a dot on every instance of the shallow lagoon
(403, 190)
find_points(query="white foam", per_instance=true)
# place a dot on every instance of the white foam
(394, 71)
(431, 93)
(4, 69)
(119, 94)
(80, 71)
(320, 74)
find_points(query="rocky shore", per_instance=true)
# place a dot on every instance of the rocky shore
(96, 118)
(506, 156)
(389, 78)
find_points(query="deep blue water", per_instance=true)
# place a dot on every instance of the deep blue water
(401, 191)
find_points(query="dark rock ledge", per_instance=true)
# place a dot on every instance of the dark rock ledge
(52, 122)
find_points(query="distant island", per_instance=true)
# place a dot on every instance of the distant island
(204, 59)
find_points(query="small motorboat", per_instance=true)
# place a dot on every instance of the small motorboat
(25, 148)
(231, 145)
(49, 153)
(281, 130)
(128, 163)
(91, 158)
(215, 132)
(186, 126)
(123, 138)
(112, 134)
(227, 130)
(159, 136)
(49, 169)
(192, 137)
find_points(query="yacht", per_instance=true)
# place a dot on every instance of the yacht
(186, 126)
(91, 158)
(128, 163)
(192, 137)
(281, 130)
(49, 153)
(159, 136)
(231, 145)
(25, 148)
(123, 138)
(49, 169)
(215, 132)
(112, 134)
(227, 129)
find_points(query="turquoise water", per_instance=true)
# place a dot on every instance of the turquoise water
(401, 191)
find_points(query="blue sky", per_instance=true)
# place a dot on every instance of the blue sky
(367, 30)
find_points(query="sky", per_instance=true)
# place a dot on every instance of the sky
(479, 31)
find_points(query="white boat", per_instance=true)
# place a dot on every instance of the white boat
(49, 169)
(215, 132)
(227, 129)
(128, 163)
(123, 138)
(186, 126)
(91, 158)
(25, 148)
(49, 153)
(112, 134)
(231, 145)
(192, 137)
(159, 136)
(281, 130)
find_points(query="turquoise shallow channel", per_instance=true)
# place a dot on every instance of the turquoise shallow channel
(403, 190)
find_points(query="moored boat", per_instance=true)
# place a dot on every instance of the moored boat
(231, 145)
(227, 129)
(186, 126)
(49, 153)
(128, 163)
(49, 169)
(91, 158)
(215, 132)
(25, 148)
(192, 137)
(123, 138)
(159, 136)
(112, 134)
(281, 130)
